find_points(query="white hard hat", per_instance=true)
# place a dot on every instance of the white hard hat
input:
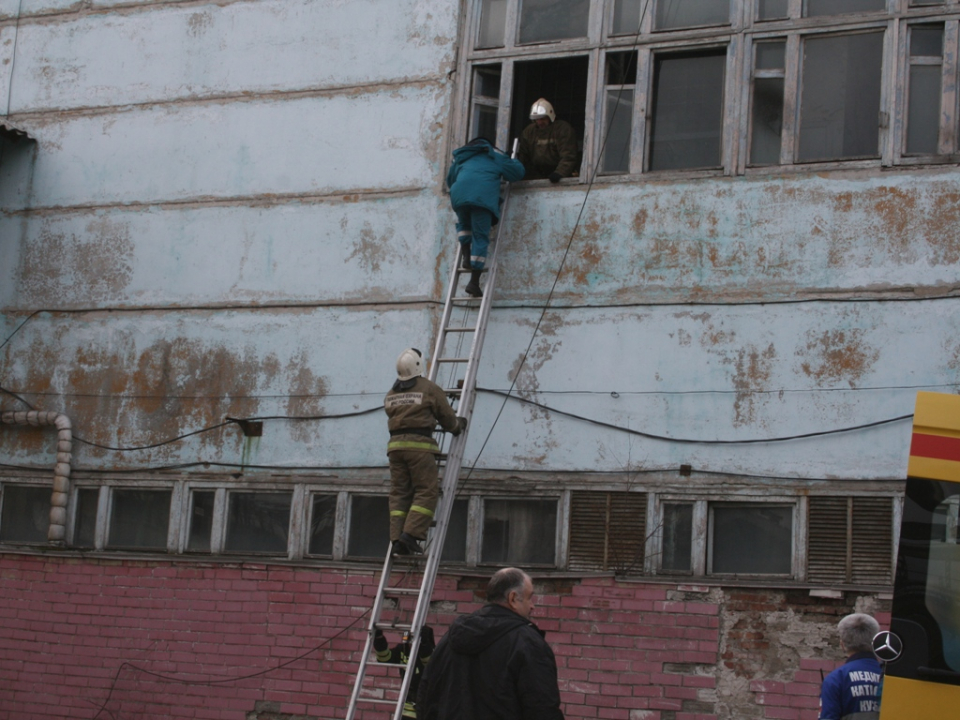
(409, 364)
(542, 109)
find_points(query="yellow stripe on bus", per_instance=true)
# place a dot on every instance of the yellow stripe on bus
(905, 699)
(937, 413)
(921, 467)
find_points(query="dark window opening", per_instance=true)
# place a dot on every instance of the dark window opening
(140, 519)
(258, 522)
(201, 520)
(26, 514)
(562, 82)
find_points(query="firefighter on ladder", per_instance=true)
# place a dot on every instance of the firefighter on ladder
(414, 407)
(399, 654)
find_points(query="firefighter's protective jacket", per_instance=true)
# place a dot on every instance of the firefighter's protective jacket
(418, 408)
(552, 149)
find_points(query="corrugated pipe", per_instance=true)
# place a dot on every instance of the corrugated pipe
(57, 532)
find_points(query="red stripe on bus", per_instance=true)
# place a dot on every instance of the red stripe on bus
(936, 447)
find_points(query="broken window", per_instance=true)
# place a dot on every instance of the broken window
(25, 517)
(519, 532)
(139, 519)
(766, 113)
(258, 522)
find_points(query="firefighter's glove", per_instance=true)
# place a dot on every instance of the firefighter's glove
(555, 177)
(427, 643)
(461, 425)
(379, 641)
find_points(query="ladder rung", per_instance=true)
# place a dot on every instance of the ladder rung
(464, 271)
(453, 360)
(401, 591)
(460, 329)
(377, 701)
(373, 661)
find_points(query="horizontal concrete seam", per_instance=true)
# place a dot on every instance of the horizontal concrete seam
(89, 9)
(242, 96)
(207, 201)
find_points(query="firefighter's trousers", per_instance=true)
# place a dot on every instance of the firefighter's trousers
(414, 481)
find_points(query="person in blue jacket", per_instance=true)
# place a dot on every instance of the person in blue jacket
(852, 691)
(474, 183)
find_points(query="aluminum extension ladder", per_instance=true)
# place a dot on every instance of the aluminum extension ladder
(459, 380)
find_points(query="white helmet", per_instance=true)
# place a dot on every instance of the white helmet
(542, 109)
(409, 364)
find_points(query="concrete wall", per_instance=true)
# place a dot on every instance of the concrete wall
(151, 638)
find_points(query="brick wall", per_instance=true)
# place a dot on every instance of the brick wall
(95, 638)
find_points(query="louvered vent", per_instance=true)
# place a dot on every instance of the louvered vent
(872, 543)
(850, 540)
(608, 531)
(827, 540)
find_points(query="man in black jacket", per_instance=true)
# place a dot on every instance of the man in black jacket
(493, 663)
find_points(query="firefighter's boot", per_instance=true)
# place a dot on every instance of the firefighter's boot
(473, 287)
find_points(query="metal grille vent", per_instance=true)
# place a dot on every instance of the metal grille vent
(850, 540)
(608, 531)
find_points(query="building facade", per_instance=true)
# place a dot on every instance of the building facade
(220, 223)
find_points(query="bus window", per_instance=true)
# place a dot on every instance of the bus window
(943, 578)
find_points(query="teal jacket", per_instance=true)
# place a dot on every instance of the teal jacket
(474, 178)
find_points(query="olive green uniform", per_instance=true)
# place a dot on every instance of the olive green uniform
(414, 408)
(552, 149)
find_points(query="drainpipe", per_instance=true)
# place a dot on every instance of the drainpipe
(57, 533)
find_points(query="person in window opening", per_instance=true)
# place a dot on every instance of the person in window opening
(399, 654)
(548, 147)
(494, 663)
(852, 691)
(474, 183)
(414, 407)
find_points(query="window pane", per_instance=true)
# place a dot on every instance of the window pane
(626, 17)
(770, 55)
(840, 7)
(493, 16)
(369, 533)
(85, 524)
(455, 545)
(687, 111)
(519, 531)
(201, 520)
(618, 111)
(767, 121)
(840, 103)
(926, 41)
(771, 9)
(677, 537)
(139, 519)
(258, 522)
(542, 20)
(923, 116)
(323, 516)
(755, 539)
(690, 13)
(26, 514)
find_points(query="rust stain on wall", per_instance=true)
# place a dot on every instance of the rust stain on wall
(98, 264)
(370, 250)
(838, 356)
(752, 373)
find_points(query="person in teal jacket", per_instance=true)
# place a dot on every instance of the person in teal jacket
(474, 183)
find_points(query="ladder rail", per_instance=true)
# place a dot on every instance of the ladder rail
(465, 399)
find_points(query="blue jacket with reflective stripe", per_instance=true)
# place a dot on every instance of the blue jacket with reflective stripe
(474, 177)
